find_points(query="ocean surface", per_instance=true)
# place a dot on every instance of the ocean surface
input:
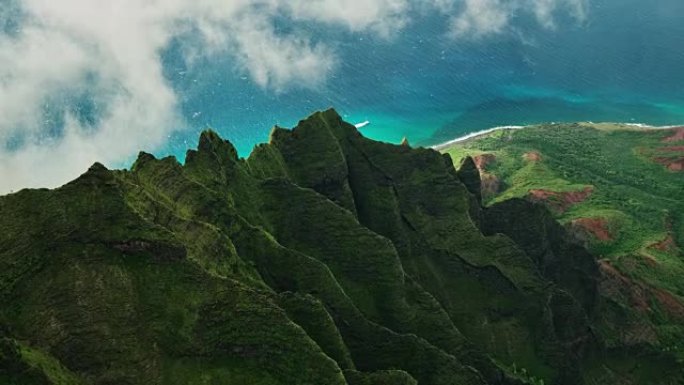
(624, 63)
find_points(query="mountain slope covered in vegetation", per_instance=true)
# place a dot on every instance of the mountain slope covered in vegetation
(619, 191)
(323, 258)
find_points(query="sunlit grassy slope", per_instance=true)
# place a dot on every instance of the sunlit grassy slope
(641, 199)
(618, 189)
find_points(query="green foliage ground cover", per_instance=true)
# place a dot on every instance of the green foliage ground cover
(638, 198)
(616, 162)
(323, 258)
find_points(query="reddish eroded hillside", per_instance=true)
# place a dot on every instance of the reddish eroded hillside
(559, 201)
(672, 164)
(597, 227)
(669, 302)
(678, 134)
(491, 184)
(667, 245)
(615, 284)
(639, 295)
(621, 289)
(673, 148)
(483, 160)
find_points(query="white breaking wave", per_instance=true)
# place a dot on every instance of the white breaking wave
(362, 124)
(474, 134)
(493, 129)
(642, 125)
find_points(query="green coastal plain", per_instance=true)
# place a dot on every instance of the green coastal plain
(328, 258)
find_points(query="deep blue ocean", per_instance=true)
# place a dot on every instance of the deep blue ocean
(624, 63)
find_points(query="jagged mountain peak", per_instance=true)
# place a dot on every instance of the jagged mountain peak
(323, 258)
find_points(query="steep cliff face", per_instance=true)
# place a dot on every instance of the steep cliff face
(323, 258)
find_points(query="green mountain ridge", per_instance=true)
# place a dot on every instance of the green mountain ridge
(323, 258)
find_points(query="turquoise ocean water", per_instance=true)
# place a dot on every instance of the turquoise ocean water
(625, 63)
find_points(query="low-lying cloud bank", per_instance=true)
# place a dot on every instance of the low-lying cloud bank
(82, 81)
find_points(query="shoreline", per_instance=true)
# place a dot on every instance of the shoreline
(477, 134)
(472, 135)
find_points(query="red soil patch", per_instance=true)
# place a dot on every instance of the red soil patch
(617, 287)
(615, 284)
(598, 227)
(482, 160)
(532, 156)
(490, 182)
(673, 148)
(672, 164)
(560, 201)
(677, 136)
(667, 245)
(671, 304)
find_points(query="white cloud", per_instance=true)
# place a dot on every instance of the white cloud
(482, 18)
(544, 10)
(382, 16)
(109, 52)
(274, 61)
(103, 50)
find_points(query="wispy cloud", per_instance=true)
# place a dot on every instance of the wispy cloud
(82, 80)
(482, 18)
(381, 16)
(110, 52)
(276, 61)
